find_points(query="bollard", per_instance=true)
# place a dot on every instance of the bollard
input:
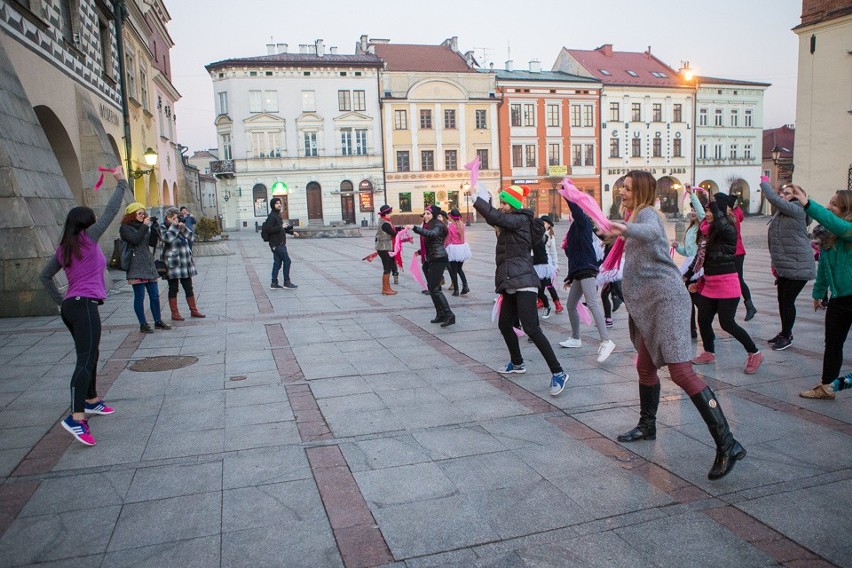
(680, 229)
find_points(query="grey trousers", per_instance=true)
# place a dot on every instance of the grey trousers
(586, 287)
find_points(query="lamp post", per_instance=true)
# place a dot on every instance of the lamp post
(150, 160)
(688, 74)
(465, 187)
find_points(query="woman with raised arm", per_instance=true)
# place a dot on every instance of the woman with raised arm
(81, 258)
(658, 305)
(434, 233)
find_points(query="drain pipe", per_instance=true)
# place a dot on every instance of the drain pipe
(119, 9)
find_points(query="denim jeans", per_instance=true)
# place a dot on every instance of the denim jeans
(139, 300)
(281, 260)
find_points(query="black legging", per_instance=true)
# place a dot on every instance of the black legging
(521, 306)
(457, 272)
(387, 261)
(838, 319)
(788, 291)
(727, 309)
(738, 261)
(434, 273)
(546, 284)
(82, 318)
(610, 289)
(187, 287)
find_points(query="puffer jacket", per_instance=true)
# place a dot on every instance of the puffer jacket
(835, 264)
(137, 236)
(789, 244)
(721, 245)
(176, 252)
(582, 259)
(514, 244)
(434, 235)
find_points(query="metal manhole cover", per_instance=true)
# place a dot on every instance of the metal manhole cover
(162, 363)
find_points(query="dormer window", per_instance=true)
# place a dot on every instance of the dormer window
(605, 72)
(658, 74)
(632, 73)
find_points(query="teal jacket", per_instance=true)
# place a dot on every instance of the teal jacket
(834, 271)
(690, 246)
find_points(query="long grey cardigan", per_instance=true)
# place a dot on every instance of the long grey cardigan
(654, 293)
(142, 263)
(789, 244)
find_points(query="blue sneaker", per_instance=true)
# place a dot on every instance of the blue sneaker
(557, 383)
(98, 408)
(512, 368)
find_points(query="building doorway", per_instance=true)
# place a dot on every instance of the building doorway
(347, 202)
(314, 196)
(63, 150)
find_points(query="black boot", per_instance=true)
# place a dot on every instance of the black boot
(728, 450)
(649, 400)
(439, 317)
(750, 310)
(449, 316)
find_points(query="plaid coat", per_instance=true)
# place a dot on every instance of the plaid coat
(176, 252)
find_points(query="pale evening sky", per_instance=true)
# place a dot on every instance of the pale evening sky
(734, 39)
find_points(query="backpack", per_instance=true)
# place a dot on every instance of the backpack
(537, 230)
(125, 255)
(264, 231)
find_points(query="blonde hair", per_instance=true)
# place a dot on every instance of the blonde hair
(644, 190)
(844, 206)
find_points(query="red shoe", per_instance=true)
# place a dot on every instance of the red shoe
(753, 363)
(704, 359)
(539, 304)
(558, 306)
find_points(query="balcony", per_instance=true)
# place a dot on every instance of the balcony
(222, 168)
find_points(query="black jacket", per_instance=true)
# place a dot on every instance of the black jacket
(514, 244)
(539, 251)
(435, 234)
(277, 230)
(721, 245)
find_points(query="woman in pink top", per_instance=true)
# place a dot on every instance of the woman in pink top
(733, 209)
(458, 251)
(718, 290)
(84, 264)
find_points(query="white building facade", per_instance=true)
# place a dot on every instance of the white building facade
(305, 127)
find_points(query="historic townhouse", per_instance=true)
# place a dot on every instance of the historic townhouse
(438, 114)
(646, 120)
(549, 128)
(302, 126)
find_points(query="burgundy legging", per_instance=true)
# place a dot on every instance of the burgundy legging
(682, 373)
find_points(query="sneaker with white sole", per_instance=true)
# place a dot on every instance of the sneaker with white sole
(605, 350)
(571, 342)
(608, 322)
(79, 430)
(753, 363)
(557, 383)
(546, 314)
(512, 368)
(97, 408)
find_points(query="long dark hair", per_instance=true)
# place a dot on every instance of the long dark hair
(78, 220)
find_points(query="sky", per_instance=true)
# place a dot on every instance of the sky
(733, 39)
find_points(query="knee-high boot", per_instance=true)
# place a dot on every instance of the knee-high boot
(386, 289)
(174, 308)
(649, 400)
(449, 316)
(728, 450)
(193, 310)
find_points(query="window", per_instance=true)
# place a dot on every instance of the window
(576, 115)
(658, 112)
(483, 159)
(66, 14)
(344, 100)
(481, 122)
(450, 119)
(346, 141)
(702, 151)
(747, 152)
(517, 156)
(554, 154)
(402, 162)
(264, 144)
(515, 115)
(632, 73)
(226, 147)
(702, 117)
(636, 112)
(255, 101)
(453, 198)
(223, 102)
(270, 101)
(529, 115)
(451, 159)
(733, 152)
(405, 202)
(427, 160)
(361, 142)
(553, 115)
(530, 156)
(657, 147)
(143, 85)
(717, 152)
(748, 118)
(105, 37)
(588, 115)
(359, 100)
(615, 112)
(718, 117)
(130, 71)
(589, 154)
(310, 143)
(425, 119)
(309, 101)
(636, 148)
(576, 154)
(677, 150)
(659, 74)
(677, 111)
(605, 72)
(400, 120)
(428, 198)
(735, 117)
(614, 148)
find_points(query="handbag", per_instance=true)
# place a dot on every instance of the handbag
(160, 264)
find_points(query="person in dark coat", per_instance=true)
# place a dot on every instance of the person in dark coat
(515, 278)
(278, 232)
(385, 234)
(136, 231)
(434, 232)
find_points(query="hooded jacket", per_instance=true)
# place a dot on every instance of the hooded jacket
(514, 246)
(277, 230)
(789, 244)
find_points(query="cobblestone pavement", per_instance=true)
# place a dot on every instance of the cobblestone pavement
(334, 426)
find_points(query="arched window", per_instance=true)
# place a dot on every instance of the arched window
(261, 205)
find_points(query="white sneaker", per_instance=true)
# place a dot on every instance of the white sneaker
(546, 314)
(571, 342)
(605, 350)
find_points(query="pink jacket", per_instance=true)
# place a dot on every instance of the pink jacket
(455, 236)
(738, 218)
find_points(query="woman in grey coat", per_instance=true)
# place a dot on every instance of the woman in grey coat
(178, 258)
(791, 254)
(142, 275)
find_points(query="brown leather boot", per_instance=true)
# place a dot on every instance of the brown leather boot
(193, 311)
(386, 289)
(175, 313)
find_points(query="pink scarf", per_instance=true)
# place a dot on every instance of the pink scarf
(612, 263)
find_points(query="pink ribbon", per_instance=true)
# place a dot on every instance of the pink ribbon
(416, 270)
(519, 332)
(100, 181)
(473, 166)
(585, 314)
(586, 202)
(495, 311)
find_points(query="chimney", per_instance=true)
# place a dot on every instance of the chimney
(363, 43)
(470, 58)
(320, 47)
(332, 50)
(452, 43)
(281, 47)
(535, 66)
(648, 53)
(270, 49)
(303, 48)
(606, 49)
(509, 65)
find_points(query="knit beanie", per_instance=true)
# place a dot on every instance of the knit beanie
(514, 195)
(134, 207)
(725, 200)
(435, 210)
(454, 213)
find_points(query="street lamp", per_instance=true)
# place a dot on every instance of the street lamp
(151, 160)
(688, 74)
(465, 187)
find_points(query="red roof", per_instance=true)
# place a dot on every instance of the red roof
(626, 67)
(783, 137)
(430, 58)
